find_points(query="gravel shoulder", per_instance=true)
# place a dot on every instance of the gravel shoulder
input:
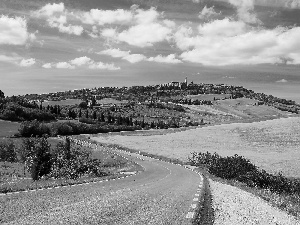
(234, 206)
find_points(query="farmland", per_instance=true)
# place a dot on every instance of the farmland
(8, 128)
(272, 145)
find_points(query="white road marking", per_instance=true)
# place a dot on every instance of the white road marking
(190, 215)
(197, 195)
(195, 199)
(194, 206)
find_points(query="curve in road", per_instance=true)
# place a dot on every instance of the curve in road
(162, 194)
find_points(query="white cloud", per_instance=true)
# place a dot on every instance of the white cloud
(116, 53)
(223, 27)
(27, 62)
(64, 65)
(245, 10)
(109, 33)
(47, 66)
(135, 58)
(13, 31)
(81, 61)
(102, 17)
(103, 66)
(50, 10)
(165, 59)
(207, 13)
(145, 35)
(146, 16)
(282, 81)
(253, 46)
(293, 4)
(56, 16)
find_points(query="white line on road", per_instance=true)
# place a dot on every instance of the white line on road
(190, 215)
(194, 206)
(195, 199)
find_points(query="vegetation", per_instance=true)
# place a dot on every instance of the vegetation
(240, 169)
(66, 160)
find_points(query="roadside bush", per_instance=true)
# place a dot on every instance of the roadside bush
(241, 169)
(38, 157)
(8, 151)
(34, 128)
(72, 162)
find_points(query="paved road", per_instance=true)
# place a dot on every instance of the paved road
(162, 194)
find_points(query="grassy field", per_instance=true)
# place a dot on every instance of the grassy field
(8, 128)
(209, 97)
(272, 145)
(63, 102)
(14, 177)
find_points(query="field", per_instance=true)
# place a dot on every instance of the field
(8, 128)
(272, 145)
(62, 102)
(14, 177)
(209, 97)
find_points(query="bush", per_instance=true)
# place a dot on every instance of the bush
(8, 151)
(241, 169)
(38, 157)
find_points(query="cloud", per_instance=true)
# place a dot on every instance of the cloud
(64, 65)
(117, 53)
(282, 81)
(294, 4)
(103, 66)
(225, 27)
(245, 10)
(50, 10)
(10, 59)
(207, 13)
(81, 61)
(216, 44)
(56, 16)
(47, 66)
(145, 35)
(135, 58)
(27, 62)
(165, 59)
(13, 31)
(102, 17)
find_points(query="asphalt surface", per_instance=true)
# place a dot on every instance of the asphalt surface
(162, 194)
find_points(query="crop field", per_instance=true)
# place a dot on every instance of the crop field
(8, 128)
(63, 102)
(273, 145)
(209, 97)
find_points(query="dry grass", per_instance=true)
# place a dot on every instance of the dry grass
(8, 128)
(272, 145)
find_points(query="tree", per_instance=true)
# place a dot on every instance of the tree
(38, 157)
(94, 115)
(2, 94)
(80, 114)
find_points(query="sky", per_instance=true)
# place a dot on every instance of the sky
(48, 46)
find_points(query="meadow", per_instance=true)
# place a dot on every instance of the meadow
(8, 128)
(272, 145)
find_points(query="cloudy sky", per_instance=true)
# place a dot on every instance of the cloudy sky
(48, 46)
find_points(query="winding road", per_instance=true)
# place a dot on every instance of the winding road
(162, 194)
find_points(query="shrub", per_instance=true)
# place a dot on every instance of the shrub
(241, 169)
(8, 151)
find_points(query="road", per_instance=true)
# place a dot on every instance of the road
(162, 194)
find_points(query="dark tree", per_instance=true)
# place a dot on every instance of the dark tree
(2, 94)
